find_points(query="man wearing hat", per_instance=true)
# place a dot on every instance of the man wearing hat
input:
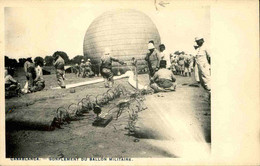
(106, 67)
(163, 80)
(152, 59)
(82, 68)
(181, 62)
(164, 55)
(60, 71)
(202, 59)
(89, 71)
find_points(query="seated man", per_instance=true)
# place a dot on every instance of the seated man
(163, 80)
(30, 74)
(12, 87)
(38, 83)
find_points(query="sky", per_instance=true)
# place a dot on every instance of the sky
(40, 30)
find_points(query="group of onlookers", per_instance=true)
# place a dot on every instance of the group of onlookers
(34, 75)
(162, 66)
(34, 79)
(84, 69)
(161, 77)
(182, 64)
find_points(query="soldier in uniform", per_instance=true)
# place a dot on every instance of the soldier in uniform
(106, 67)
(38, 83)
(187, 68)
(88, 66)
(77, 70)
(83, 68)
(181, 63)
(152, 59)
(29, 69)
(164, 55)
(203, 63)
(60, 71)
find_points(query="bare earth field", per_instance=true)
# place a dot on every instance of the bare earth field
(81, 139)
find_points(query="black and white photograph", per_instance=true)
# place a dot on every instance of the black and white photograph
(108, 81)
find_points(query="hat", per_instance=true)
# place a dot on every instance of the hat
(107, 51)
(151, 41)
(150, 46)
(82, 60)
(198, 38)
(88, 59)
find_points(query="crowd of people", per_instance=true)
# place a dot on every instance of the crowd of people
(162, 68)
(34, 79)
(84, 69)
(161, 76)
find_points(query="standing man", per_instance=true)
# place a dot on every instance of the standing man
(164, 55)
(30, 74)
(187, 68)
(173, 62)
(203, 63)
(106, 68)
(77, 69)
(152, 59)
(181, 63)
(60, 71)
(83, 68)
(39, 82)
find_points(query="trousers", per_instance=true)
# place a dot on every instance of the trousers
(204, 75)
(60, 77)
(38, 86)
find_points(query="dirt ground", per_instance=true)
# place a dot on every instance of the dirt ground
(81, 139)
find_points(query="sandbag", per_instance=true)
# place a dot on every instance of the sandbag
(34, 119)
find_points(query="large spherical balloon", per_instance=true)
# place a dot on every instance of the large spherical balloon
(125, 32)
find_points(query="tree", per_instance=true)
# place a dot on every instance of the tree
(7, 61)
(48, 60)
(21, 61)
(10, 62)
(77, 59)
(38, 61)
(63, 55)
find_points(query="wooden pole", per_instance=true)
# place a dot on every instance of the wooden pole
(136, 76)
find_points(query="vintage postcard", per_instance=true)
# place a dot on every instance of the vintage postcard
(156, 82)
